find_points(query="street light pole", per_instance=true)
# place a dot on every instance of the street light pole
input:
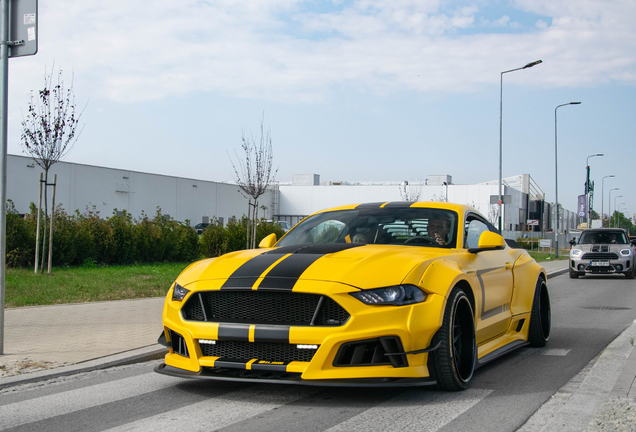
(609, 207)
(556, 178)
(529, 65)
(587, 188)
(619, 196)
(602, 197)
(617, 210)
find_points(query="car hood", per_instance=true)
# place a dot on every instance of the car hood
(609, 247)
(361, 266)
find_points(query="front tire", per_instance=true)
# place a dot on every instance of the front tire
(573, 274)
(541, 316)
(454, 360)
(631, 274)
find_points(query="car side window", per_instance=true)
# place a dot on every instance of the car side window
(474, 228)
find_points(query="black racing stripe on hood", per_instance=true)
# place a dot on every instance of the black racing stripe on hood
(314, 249)
(400, 204)
(285, 275)
(370, 205)
(247, 274)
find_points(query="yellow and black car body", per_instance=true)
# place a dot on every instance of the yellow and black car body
(361, 295)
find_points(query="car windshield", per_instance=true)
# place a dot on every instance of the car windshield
(603, 237)
(400, 226)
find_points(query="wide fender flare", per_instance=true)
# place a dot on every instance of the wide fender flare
(526, 273)
(439, 278)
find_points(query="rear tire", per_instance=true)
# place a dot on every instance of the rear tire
(573, 274)
(454, 361)
(541, 316)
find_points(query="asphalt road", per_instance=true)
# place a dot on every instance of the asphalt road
(587, 315)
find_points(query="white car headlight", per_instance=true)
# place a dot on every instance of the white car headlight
(575, 252)
(626, 252)
(397, 295)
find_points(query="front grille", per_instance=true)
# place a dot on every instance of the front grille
(272, 352)
(600, 255)
(264, 307)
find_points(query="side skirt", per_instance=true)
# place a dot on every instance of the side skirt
(500, 352)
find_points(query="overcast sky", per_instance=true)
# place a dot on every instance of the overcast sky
(356, 90)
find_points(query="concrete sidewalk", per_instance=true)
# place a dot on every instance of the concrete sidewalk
(45, 342)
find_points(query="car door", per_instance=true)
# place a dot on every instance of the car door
(491, 271)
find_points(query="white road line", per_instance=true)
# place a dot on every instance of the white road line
(20, 413)
(556, 352)
(221, 411)
(414, 410)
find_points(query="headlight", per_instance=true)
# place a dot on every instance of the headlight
(626, 252)
(575, 252)
(179, 292)
(398, 295)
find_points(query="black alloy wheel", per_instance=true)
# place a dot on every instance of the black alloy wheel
(541, 316)
(454, 361)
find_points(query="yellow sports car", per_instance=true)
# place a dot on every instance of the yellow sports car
(375, 294)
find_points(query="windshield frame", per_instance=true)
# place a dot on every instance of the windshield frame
(399, 226)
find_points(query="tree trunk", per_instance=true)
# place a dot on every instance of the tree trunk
(254, 224)
(247, 224)
(46, 212)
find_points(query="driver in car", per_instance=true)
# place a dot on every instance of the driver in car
(438, 229)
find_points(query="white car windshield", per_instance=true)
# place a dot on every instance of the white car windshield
(603, 237)
(412, 226)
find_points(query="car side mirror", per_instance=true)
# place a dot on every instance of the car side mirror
(634, 242)
(268, 241)
(572, 242)
(489, 240)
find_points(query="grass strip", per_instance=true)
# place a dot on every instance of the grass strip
(82, 285)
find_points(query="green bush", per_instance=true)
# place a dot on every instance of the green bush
(214, 239)
(20, 238)
(87, 239)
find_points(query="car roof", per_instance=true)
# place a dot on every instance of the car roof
(459, 208)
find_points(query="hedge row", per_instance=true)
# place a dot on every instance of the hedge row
(89, 239)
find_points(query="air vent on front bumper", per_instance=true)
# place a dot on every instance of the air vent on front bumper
(264, 307)
(371, 352)
(271, 352)
(178, 345)
(600, 255)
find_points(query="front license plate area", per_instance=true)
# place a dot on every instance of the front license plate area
(600, 263)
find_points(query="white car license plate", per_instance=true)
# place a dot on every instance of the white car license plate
(600, 263)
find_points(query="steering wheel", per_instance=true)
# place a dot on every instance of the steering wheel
(421, 239)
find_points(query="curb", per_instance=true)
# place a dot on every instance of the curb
(139, 355)
(557, 272)
(151, 352)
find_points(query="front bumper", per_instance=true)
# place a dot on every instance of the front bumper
(352, 354)
(601, 265)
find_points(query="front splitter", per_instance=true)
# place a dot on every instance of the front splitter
(227, 374)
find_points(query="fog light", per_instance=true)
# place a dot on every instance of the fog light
(581, 267)
(619, 268)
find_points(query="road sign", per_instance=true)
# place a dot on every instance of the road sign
(23, 28)
(545, 243)
(533, 222)
(494, 199)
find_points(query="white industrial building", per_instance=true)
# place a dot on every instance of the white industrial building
(85, 187)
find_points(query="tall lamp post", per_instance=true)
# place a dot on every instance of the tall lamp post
(588, 187)
(609, 206)
(618, 211)
(529, 65)
(556, 177)
(603, 197)
(619, 196)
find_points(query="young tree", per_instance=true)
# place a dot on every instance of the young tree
(49, 130)
(254, 173)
